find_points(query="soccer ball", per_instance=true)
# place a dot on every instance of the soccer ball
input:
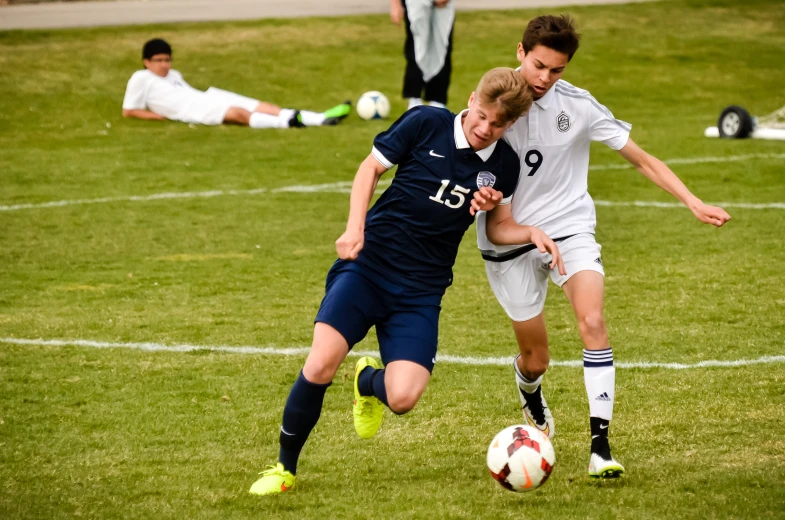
(373, 105)
(521, 458)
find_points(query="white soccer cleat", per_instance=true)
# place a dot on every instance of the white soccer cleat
(536, 412)
(601, 467)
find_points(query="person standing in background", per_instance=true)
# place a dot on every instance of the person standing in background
(428, 48)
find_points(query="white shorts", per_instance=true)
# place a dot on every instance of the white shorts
(210, 108)
(521, 284)
(235, 100)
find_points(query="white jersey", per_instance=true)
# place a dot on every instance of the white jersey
(552, 141)
(168, 96)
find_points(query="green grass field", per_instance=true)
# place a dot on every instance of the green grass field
(128, 433)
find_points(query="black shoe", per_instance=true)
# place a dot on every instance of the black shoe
(536, 412)
(296, 121)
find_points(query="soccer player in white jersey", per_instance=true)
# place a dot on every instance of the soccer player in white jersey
(159, 92)
(552, 141)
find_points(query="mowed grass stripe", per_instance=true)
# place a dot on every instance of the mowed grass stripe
(442, 358)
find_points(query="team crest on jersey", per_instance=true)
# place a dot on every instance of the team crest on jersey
(485, 179)
(563, 121)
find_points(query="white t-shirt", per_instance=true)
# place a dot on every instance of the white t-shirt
(552, 141)
(169, 96)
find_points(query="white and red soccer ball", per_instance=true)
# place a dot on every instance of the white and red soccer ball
(521, 458)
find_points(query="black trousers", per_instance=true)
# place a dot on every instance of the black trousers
(413, 83)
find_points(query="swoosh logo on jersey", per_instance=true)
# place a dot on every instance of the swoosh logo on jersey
(434, 154)
(285, 432)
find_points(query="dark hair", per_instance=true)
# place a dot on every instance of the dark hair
(155, 46)
(555, 32)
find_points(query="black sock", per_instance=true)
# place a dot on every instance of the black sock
(300, 415)
(371, 382)
(599, 437)
(599, 427)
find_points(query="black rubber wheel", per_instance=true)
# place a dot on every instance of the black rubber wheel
(735, 123)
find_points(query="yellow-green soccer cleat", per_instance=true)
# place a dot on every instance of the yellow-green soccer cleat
(368, 410)
(338, 113)
(274, 480)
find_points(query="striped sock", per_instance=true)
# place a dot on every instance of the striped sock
(599, 375)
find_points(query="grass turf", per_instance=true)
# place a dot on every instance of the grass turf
(129, 434)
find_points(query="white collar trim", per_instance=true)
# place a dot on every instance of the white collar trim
(545, 100)
(461, 143)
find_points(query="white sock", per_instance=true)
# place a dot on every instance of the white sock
(437, 104)
(414, 102)
(312, 118)
(599, 374)
(284, 117)
(259, 120)
(524, 383)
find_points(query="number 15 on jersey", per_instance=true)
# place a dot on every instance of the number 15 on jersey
(457, 191)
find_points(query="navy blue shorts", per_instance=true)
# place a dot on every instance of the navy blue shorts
(407, 323)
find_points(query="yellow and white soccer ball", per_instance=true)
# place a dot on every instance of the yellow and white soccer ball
(521, 458)
(373, 105)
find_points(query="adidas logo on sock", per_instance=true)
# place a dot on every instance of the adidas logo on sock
(602, 397)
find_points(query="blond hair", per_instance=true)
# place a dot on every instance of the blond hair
(505, 88)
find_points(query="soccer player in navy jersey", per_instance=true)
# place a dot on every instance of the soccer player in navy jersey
(395, 261)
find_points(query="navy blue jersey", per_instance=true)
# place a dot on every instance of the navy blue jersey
(413, 231)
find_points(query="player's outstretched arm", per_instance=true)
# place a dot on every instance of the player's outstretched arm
(502, 229)
(351, 242)
(143, 114)
(659, 173)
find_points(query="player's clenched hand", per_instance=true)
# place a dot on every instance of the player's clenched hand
(485, 199)
(710, 214)
(544, 243)
(349, 244)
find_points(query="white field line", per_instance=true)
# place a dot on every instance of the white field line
(345, 187)
(442, 358)
(696, 160)
(134, 198)
(655, 204)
